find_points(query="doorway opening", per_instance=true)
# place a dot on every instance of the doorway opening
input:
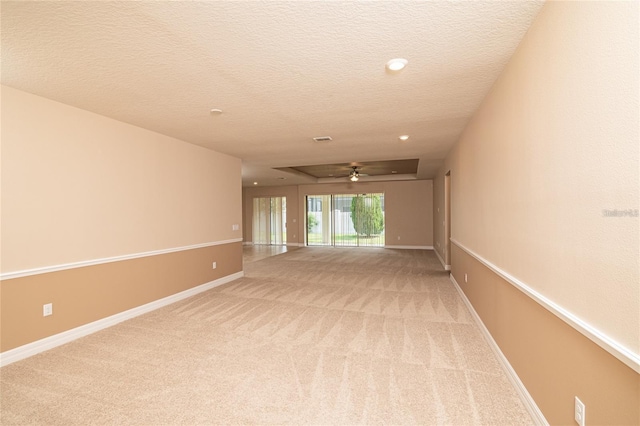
(270, 220)
(345, 220)
(447, 220)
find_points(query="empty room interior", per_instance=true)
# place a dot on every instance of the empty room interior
(346, 212)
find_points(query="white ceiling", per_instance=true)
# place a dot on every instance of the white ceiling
(282, 72)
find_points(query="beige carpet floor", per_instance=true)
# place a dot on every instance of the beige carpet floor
(312, 336)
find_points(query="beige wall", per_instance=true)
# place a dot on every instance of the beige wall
(83, 295)
(408, 208)
(80, 187)
(409, 213)
(554, 362)
(554, 144)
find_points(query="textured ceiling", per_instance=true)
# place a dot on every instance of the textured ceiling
(282, 72)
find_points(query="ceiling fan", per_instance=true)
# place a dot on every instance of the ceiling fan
(355, 174)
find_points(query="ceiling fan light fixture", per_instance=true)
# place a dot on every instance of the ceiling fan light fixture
(354, 175)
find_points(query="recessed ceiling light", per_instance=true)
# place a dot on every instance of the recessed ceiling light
(396, 64)
(255, 183)
(404, 137)
(216, 111)
(394, 172)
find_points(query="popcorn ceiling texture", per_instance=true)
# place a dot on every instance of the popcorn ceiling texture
(282, 72)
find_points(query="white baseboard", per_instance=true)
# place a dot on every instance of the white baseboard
(524, 394)
(249, 243)
(409, 247)
(51, 342)
(444, 265)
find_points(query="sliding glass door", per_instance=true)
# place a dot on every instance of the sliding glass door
(346, 220)
(269, 220)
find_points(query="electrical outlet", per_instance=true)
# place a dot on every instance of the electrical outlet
(466, 278)
(47, 309)
(214, 265)
(579, 413)
(235, 227)
(398, 237)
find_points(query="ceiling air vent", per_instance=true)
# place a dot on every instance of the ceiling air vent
(323, 139)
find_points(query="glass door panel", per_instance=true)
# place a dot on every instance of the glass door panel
(367, 214)
(269, 220)
(319, 222)
(346, 220)
(344, 234)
